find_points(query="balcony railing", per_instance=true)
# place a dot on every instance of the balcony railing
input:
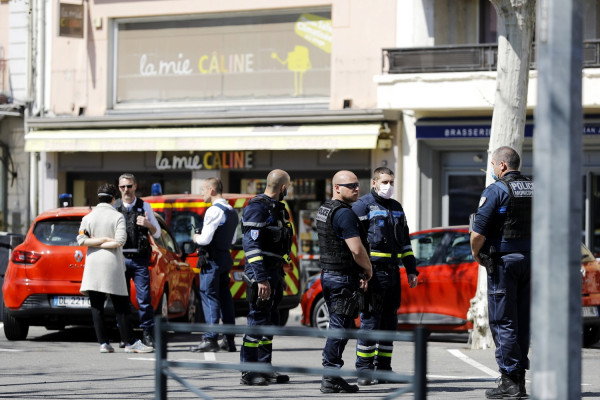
(477, 57)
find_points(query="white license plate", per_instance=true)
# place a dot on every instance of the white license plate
(590, 312)
(71, 301)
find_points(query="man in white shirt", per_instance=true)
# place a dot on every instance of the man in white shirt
(218, 234)
(139, 222)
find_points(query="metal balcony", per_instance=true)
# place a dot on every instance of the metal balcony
(455, 58)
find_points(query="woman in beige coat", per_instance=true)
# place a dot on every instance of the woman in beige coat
(103, 232)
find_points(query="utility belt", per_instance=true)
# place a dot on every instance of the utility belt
(132, 254)
(341, 272)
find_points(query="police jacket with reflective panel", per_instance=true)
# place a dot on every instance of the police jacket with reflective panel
(389, 237)
(267, 237)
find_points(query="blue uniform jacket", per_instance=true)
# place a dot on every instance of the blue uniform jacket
(490, 216)
(255, 218)
(388, 233)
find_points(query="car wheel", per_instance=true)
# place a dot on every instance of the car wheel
(163, 306)
(591, 335)
(284, 315)
(14, 329)
(194, 309)
(320, 314)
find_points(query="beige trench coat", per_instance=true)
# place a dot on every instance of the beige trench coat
(104, 268)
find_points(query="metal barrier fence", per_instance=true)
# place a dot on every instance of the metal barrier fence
(164, 368)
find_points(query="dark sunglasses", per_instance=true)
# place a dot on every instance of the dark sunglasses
(126, 186)
(350, 185)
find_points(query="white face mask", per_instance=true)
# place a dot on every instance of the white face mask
(385, 190)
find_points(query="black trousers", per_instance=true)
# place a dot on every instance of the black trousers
(121, 304)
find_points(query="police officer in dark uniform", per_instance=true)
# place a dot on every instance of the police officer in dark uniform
(139, 221)
(346, 270)
(267, 243)
(384, 219)
(501, 241)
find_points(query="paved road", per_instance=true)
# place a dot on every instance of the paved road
(67, 365)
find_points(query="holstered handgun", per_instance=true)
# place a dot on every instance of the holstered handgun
(487, 260)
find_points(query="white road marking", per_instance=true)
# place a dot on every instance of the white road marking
(464, 378)
(10, 350)
(209, 356)
(458, 354)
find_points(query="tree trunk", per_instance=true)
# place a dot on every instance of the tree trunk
(516, 23)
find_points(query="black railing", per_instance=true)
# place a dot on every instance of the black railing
(455, 58)
(417, 382)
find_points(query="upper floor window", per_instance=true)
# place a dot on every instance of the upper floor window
(257, 58)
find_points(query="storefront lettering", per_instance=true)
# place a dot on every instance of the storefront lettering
(209, 160)
(221, 64)
(161, 67)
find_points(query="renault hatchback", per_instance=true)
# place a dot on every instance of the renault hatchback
(41, 286)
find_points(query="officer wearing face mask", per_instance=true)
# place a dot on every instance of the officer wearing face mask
(384, 219)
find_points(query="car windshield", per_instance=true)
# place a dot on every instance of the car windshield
(57, 232)
(425, 246)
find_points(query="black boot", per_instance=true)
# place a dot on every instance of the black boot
(508, 388)
(228, 344)
(330, 384)
(521, 382)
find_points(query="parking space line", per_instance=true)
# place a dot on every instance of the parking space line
(458, 354)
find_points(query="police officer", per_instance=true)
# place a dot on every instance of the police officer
(384, 219)
(501, 240)
(346, 270)
(267, 243)
(217, 235)
(139, 221)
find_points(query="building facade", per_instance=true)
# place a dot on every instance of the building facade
(175, 91)
(441, 78)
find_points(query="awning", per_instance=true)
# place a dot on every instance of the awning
(284, 137)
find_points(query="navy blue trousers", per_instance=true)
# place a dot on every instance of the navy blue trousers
(137, 269)
(509, 302)
(260, 348)
(216, 296)
(372, 354)
(333, 284)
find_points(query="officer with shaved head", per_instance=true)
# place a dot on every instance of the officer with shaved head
(346, 270)
(267, 243)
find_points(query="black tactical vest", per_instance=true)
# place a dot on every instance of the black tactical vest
(137, 236)
(221, 241)
(335, 254)
(517, 223)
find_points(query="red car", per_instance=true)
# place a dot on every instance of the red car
(41, 285)
(447, 283)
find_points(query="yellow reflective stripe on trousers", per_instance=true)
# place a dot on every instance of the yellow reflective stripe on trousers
(265, 342)
(408, 253)
(383, 354)
(377, 254)
(366, 355)
(253, 259)
(250, 344)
